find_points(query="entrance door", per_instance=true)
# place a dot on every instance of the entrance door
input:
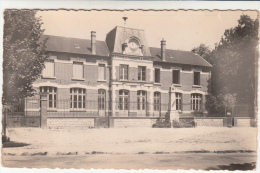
(101, 102)
(141, 103)
(123, 104)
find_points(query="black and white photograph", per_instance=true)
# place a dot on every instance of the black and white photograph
(130, 89)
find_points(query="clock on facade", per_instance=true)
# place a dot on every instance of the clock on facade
(133, 44)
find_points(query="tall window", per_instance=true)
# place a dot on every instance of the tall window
(51, 95)
(196, 78)
(141, 73)
(123, 72)
(101, 72)
(48, 71)
(157, 101)
(196, 102)
(78, 70)
(77, 98)
(176, 76)
(178, 101)
(157, 75)
(101, 99)
(123, 99)
(141, 100)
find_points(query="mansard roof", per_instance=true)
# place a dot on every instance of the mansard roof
(179, 57)
(83, 46)
(75, 45)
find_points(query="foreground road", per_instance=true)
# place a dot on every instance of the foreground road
(202, 161)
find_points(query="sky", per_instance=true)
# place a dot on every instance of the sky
(182, 30)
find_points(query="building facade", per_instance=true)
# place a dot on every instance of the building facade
(120, 77)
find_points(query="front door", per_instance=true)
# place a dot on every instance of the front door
(101, 102)
(123, 104)
(141, 103)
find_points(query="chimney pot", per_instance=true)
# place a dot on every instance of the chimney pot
(163, 48)
(93, 42)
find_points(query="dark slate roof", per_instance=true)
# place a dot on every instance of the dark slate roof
(74, 45)
(179, 57)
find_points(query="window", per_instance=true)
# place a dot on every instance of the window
(123, 99)
(123, 72)
(77, 98)
(51, 95)
(196, 102)
(157, 75)
(48, 71)
(196, 78)
(78, 70)
(141, 100)
(157, 101)
(141, 73)
(176, 76)
(101, 72)
(178, 101)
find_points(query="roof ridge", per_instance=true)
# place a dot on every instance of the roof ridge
(70, 37)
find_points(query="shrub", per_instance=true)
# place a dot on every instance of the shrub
(177, 124)
(162, 124)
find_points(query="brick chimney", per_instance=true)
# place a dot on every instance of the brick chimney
(93, 42)
(163, 48)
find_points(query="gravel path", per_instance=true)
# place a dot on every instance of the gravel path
(131, 140)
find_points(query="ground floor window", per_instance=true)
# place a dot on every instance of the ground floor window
(157, 101)
(196, 102)
(178, 101)
(51, 95)
(123, 99)
(141, 100)
(77, 98)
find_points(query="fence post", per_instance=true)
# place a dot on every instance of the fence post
(44, 99)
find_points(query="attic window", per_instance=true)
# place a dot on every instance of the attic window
(77, 46)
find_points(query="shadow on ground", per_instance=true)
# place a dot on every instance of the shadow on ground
(12, 144)
(234, 167)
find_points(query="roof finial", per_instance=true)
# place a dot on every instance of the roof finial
(125, 18)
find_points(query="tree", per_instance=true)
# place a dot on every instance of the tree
(204, 51)
(234, 62)
(24, 53)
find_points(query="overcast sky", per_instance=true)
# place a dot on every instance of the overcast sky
(181, 29)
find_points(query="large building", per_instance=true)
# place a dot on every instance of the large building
(121, 77)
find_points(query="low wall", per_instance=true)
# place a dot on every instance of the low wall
(70, 122)
(23, 121)
(243, 122)
(212, 122)
(128, 122)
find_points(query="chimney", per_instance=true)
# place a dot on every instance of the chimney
(93, 42)
(163, 48)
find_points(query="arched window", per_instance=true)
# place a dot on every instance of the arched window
(77, 98)
(123, 99)
(141, 100)
(51, 95)
(196, 102)
(157, 101)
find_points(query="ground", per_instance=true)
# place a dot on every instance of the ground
(99, 146)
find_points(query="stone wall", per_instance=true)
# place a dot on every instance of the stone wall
(213, 122)
(60, 123)
(132, 122)
(242, 122)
